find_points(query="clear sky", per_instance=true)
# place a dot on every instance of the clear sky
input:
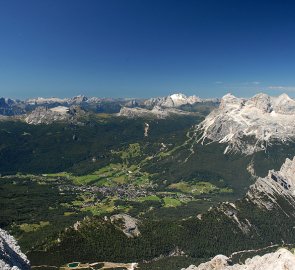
(144, 48)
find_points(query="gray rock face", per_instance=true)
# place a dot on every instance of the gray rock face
(127, 224)
(279, 260)
(42, 115)
(11, 257)
(10, 107)
(274, 193)
(251, 125)
(266, 190)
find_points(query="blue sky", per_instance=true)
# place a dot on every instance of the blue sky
(144, 48)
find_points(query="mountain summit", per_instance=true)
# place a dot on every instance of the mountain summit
(250, 125)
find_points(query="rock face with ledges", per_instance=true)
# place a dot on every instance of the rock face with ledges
(277, 184)
(43, 115)
(250, 125)
(11, 257)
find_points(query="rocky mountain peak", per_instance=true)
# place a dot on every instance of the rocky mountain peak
(230, 101)
(262, 118)
(178, 96)
(260, 101)
(77, 99)
(172, 101)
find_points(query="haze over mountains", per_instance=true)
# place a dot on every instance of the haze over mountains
(245, 125)
(110, 105)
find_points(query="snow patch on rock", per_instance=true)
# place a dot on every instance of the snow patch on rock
(172, 101)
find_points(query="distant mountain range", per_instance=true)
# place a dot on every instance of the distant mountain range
(10, 107)
(243, 125)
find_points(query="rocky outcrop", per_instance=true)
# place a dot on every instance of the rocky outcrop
(279, 260)
(11, 257)
(127, 224)
(250, 125)
(277, 184)
(43, 115)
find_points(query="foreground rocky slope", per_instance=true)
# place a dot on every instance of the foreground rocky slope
(11, 256)
(250, 125)
(271, 196)
(279, 260)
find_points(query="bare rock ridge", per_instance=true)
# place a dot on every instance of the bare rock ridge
(250, 125)
(279, 260)
(273, 192)
(265, 191)
(11, 256)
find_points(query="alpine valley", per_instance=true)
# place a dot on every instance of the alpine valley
(163, 183)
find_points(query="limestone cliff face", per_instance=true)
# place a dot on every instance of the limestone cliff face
(277, 184)
(250, 125)
(11, 257)
(279, 260)
(42, 115)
